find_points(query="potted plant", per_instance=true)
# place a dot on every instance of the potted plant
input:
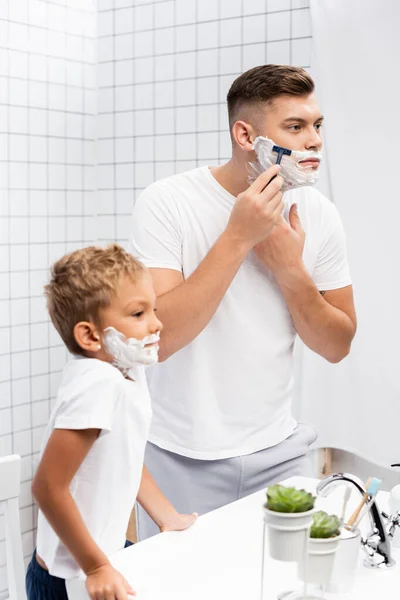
(288, 517)
(323, 543)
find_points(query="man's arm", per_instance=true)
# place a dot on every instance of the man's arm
(185, 307)
(326, 323)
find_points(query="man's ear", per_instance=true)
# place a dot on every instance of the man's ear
(244, 135)
(87, 336)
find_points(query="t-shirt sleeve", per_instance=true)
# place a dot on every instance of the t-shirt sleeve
(156, 232)
(331, 270)
(89, 401)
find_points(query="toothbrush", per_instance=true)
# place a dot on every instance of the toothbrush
(346, 498)
(373, 485)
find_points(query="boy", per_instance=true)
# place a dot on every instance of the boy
(102, 303)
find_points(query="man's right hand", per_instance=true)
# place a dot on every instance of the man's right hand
(105, 583)
(257, 209)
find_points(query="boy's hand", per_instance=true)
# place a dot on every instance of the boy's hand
(178, 522)
(105, 583)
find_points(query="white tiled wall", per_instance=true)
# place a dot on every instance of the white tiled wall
(164, 70)
(47, 206)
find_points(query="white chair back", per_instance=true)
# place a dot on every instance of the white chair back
(10, 479)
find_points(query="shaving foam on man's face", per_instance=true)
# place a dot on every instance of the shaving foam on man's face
(128, 352)
(293, 172)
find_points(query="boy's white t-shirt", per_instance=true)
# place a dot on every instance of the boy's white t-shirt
(95, 394)
(228, 393)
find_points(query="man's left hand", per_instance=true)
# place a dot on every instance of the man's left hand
(282, 249)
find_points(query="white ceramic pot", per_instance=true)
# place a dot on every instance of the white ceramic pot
(321, 558)
(347, 557)
(287, 533)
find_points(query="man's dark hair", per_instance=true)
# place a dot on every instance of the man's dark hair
(264, 84)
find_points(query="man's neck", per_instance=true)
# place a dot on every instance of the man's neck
(232, 176)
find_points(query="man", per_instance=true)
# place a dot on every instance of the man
(236, 278)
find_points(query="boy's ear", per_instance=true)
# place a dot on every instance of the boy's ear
(87, 336)
(244, 135)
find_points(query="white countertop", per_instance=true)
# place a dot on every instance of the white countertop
(220, 558)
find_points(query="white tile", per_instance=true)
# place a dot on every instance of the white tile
(124, 199)
(74, 99)
(225, 146)
(144, 69)
(17, 147)
(58, 358)
(37, 122)
(57, 177)
(207, 63)
(73, 151)
(39, 334)
(254, 30)
(278, 53)
(38, 95)
(253, 56)
(20, 312)
(278, 26)
(105, 151)
(106, 125)
(21, 419)
(164, 94)
(208, 117)
(123, 47)
(74, 229)
(56, 70)
(143, 17)
(5, 417)
(56, 95)
(56, 16)
(5, 287)
(164, 14)
(18, 11)
(20, 338)
(123, 98)
(301, 52)
(56, 123)
(278, 5)
(164, 41)
(21, 391)
(19, 258)
(106, 74)
(230, 8)
(37, 67)
(123, 72)
(18, 36)
(185, 11)
(40, 361)
(144, 96)
(186, 38)
(185, 64)
(23, 442)
(144, 122)
(301, 23)
(74, 203)
(74, 125)
(207, 10)
(38, 254)
(74, 178)
(225, 83)
(185, 92)
(39, 278)
(300, 3)
(231, 32)
(18, 173)
(20, 365)
(37, 13)
(40, 413)
(106, 47)
(56, 43)
(5, 348)
(122, 228)
(207, 92)
(164, 169)
(124, 150)
(26, 519)
(207, 35)
(105, 176)
(143, 43)
(18, 92)
(105, 23)
(3, 147)
(144, 176)
(186, 119)
(38, 230)
(123, 20)
(186, 146)
(18, 119)
(40, 387)
(164, 68)
(164, 120)
(165, 147)
(230, 60)
(18, 230)
(207, 145)
(18, 203)
(5, 395)
(144, 149)
(124, 124)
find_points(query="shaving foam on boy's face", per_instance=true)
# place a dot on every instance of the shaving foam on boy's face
(128, 352)
(294, 174)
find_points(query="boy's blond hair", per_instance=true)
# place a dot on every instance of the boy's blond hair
(84, 282)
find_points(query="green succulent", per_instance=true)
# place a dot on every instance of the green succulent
(324, 525)
(288, 499)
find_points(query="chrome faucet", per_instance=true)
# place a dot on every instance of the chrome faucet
(377, 545)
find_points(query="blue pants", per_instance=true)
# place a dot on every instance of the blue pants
(40, 585)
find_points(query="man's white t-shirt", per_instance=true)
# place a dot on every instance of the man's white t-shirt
(228, 393)
(95, 394)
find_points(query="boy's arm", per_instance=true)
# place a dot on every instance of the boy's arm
(64, 453)
(159, 508)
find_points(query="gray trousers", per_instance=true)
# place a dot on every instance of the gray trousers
(203, 485)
